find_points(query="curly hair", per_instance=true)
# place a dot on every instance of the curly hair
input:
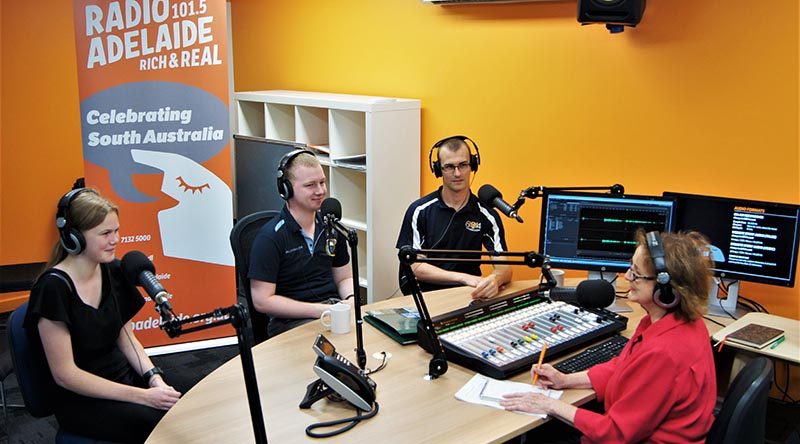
(688, 259)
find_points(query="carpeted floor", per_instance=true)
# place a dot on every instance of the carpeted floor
(22, 428)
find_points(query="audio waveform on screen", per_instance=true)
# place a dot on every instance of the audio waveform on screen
(614, 233)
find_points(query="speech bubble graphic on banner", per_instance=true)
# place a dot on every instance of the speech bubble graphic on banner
(198, 227)
(156, 116)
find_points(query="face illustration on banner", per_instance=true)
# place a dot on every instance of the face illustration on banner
(167, 117)
(203, 199)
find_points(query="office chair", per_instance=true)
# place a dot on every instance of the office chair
(742, 418)
(33, 374)
(242, 237)
(6, 369)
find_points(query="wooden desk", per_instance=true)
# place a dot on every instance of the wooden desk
(788, 350)
(412, 410)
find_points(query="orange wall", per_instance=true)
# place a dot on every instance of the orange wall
(40, 144)
(702, 98)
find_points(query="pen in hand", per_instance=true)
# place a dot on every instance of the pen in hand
(539, 365)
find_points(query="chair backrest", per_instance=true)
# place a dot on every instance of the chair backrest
(242, 237)
(33, 374)
(743, 416)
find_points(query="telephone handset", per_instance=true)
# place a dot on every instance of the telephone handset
(340, 375)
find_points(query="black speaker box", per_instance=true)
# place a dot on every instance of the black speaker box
(615, 12)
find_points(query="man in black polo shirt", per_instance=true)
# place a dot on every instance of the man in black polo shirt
(293, 279)
(452, 218)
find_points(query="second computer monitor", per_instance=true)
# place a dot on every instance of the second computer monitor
(595, 232)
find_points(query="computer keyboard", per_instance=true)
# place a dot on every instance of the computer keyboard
(596, 354)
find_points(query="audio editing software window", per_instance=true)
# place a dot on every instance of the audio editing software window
(750, 240)
(596, 232)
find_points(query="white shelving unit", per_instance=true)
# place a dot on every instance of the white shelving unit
(384, 130)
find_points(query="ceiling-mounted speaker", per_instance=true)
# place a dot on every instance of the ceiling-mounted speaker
(611, 12)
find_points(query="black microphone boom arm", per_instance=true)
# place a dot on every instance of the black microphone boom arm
(408, 256)
(537, 191)
(352, 242)
(237, 316)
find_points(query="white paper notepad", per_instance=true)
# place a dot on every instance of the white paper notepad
(486, 391)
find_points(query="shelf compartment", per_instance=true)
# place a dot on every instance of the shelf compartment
(280, 121)
(326, 168)
(348, 133)
(350, 187)
(311, 125)
(250, 121)
(362, 259)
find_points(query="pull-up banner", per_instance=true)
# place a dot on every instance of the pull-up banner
(153, 84)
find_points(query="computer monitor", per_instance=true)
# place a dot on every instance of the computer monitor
(751, 240)
(595, 232)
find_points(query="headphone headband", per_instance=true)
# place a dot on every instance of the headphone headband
(284, 186)
(474, 159)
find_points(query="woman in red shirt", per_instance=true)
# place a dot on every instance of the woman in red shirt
(662, 387)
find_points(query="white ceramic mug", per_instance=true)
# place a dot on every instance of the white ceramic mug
(337, 318)
(559, 276)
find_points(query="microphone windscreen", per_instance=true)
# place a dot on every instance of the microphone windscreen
(134, 263)
(487, 194)
(595, 293)
(331, 206)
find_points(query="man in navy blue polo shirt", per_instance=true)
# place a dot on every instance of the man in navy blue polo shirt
(452, 218)
(293, 278)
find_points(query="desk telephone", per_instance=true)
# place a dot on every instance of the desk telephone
(337, 374)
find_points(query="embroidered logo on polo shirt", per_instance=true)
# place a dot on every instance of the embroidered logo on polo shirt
(473, 226)
(292, 250)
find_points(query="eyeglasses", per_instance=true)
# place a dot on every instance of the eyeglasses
(637, 276)
(449, 167)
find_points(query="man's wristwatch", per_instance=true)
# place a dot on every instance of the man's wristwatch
(150, 373)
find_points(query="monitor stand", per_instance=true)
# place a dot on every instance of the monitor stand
(724, 307)
(619, 305)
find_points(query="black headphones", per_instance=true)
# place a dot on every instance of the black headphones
(71, 238)
(474, 159)
(663, 296)
(284, 186)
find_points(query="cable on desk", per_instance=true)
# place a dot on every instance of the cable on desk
(714, 321)
(756, 304)
(353, 420)
(746, 305)
(380, 367)
(726, 311)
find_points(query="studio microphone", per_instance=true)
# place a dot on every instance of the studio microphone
(593, 293)
(141, 271)
(491, 197)
(331, 211)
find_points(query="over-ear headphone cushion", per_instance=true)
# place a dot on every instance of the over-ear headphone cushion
(71, 239)
(284, 187)
(664, 297)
